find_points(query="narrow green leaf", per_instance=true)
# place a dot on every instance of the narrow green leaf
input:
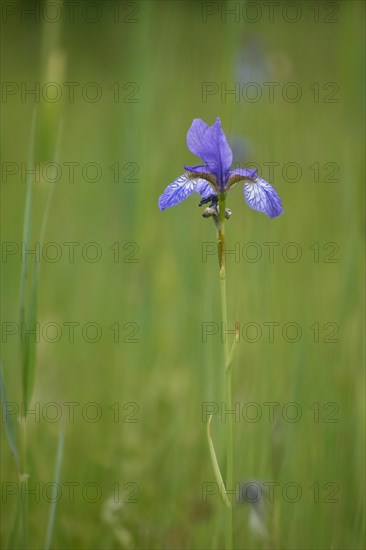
(13, 538)
(8, 420)
(25, 266)
(215, 465)
(56, 481)
(30, 346)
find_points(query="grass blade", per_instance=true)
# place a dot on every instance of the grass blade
(30, 349)
(56, 481)
(8, 421)
(25, 266)
(215, 465)
(13, 538)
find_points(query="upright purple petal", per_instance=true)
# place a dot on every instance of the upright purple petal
(195, 137)
(176, 192)
(223, 155)
(210, 144)
(261, 196)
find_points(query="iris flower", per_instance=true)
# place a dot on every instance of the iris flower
(214, 177)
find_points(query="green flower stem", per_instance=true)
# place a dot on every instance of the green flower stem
(228, 358)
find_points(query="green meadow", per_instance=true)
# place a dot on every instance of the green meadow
(111, 323)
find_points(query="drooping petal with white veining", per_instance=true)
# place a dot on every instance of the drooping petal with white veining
(204, 188)
(181, 188)
(261, 196)
(176, 192)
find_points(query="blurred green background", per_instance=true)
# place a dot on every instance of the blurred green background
(160, 289)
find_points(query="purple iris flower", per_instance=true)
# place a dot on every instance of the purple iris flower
(214, 177)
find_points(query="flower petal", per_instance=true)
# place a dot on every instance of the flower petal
(176, 192)
(210, 144)
(181, 188)
(261, 196)
(204, 188)
(195, 137)
(202, 173)
(244, 172)
(198, 169)
(223, 155)
(240, 174)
